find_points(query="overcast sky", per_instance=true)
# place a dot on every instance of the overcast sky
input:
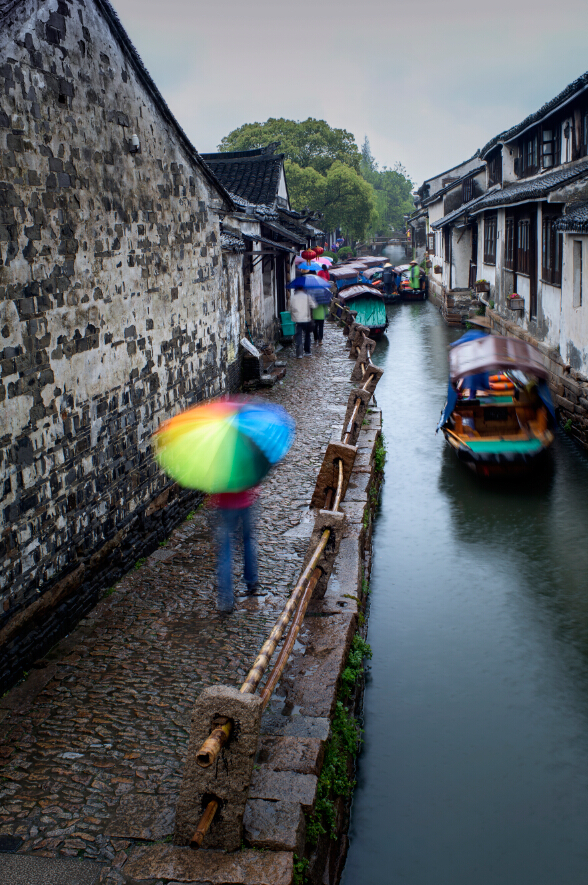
(428, 82)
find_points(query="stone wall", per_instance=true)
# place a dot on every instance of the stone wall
(115, 311)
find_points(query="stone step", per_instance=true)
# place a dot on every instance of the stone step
(24, 869)
(172, 864)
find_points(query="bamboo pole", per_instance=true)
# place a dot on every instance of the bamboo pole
(259, 667)
(213, 745)
(286, 650)
(339, 493)
(351, 420)
(203, 826)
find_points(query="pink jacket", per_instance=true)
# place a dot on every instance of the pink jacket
(235, 500)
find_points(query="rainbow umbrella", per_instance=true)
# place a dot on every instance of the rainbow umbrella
(225, 445)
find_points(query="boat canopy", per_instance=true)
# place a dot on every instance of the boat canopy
(494, 353)
(343, 273)
(373, 261)
(357, 291)
(370, 273)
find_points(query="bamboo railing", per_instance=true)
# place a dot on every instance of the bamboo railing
(294, 609)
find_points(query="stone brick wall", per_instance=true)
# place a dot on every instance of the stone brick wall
(114, 308)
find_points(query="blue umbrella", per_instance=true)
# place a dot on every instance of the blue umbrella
(318, 286)
(313, 265)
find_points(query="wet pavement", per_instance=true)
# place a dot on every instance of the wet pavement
(92, 744)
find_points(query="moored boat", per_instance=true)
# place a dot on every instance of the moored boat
(499, 418)
(369, 304)
(404, 290)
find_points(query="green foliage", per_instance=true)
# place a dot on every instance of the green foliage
(346, 252)
(140, 563)
(568, 426)
(491, 304)
(308, 143)
(109, 592)
(360, 649)
(332, 255)
(393, 192)
(380, 454)
(300, 867)
(345, 199)
(341, 747)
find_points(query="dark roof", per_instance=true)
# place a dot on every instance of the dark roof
(441, 174)
(231, 240)
(533, 188)
(134, 59)
(550, 106)
(457, 213)
(575, 219)
(252, 175)
(438, 194)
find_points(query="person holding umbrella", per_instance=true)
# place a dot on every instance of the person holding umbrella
(225, 447)
(301, 305)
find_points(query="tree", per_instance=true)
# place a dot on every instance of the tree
(345, 199)
(392, 191)
(308, 143)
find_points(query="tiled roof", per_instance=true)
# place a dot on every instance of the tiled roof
(231, 241)
(447, 171)
(533, 188)
(438, 194)
(251, 175)
(134, 59)
(575, 219)
(457, 213)
(543, 111)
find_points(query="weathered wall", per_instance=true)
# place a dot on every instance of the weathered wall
(113, 312)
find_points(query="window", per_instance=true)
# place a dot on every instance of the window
(490, 238)
(584, 150)
(509, 242)
(551, 147)
(530, 155)
(495, 170)
(577, 272)
(467, 192)
(551, 252)
(524, 246)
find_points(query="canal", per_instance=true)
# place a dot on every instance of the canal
(474, 768)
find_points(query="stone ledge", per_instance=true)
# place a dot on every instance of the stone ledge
(275, 826)
(275, 785)
(247, 867)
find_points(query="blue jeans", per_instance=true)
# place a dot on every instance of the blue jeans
(302, 329)
(228, 522)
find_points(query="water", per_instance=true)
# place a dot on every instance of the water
(475, 763)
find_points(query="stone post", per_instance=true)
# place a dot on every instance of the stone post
(227, 779)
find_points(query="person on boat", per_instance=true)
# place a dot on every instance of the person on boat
(414, 276)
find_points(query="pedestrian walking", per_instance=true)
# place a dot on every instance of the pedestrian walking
(301, 305)
(235, 508)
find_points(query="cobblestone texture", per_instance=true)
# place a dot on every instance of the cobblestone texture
(93, 745)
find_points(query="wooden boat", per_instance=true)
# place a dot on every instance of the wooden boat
(403, 287)
(369, 304)
(499, 418)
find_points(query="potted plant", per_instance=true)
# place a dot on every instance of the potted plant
(482, 286)
(438, 268)
(515, 302)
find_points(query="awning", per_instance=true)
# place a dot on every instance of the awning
(277, 246)
(494, 353)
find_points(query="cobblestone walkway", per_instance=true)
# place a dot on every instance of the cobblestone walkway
(93, 743)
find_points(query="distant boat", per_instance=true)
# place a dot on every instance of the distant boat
(369, 304)
(499, 418)
(404, 290)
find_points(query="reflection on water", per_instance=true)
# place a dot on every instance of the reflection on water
(475, 763)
